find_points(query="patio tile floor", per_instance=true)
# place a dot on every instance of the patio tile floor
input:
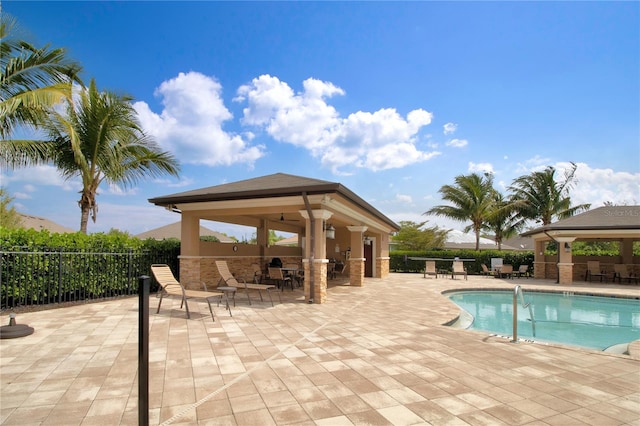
(377, 354)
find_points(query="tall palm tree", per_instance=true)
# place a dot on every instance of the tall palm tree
(32, 80)
(471, 197)
(99, 139)
(539, 197)
(502, 219)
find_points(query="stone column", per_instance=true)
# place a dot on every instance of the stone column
(190, 251)
(565, 264)
(319, 259)
(356, 262)
(539, 264)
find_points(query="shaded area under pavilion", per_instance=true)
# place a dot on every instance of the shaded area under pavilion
(331, 221)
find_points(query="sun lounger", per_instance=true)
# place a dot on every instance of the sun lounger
(227, 278)
(171, 287)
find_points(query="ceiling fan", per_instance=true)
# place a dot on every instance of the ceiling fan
(282, 219)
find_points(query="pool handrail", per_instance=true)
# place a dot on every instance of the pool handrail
(517, 289)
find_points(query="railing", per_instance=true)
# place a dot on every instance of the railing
(30, 278)
(518, 290)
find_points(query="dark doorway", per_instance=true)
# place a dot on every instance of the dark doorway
(368, 260)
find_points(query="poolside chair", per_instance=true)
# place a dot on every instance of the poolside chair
(622, 273)
(227, 278)
(281, 279)
(171, 287)
(485, 271)
(593, 270)
(523, 271)
(458, 269)
(506, 271)
(430, 268)
(258, 273)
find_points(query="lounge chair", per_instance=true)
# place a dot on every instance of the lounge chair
(227, 278)
(622, 273)
(505, 271)
(171, 287)
(523, 271)
(277, 275)
(458, 269)
(485, 271)
(430, 268)
(593, 270)
(258, 274)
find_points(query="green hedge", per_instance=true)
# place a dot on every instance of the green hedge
(400, 261)
(39, 267)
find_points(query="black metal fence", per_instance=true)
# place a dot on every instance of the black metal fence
(49, 276)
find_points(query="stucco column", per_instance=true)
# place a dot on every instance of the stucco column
(319, 259)
(565, 264)
(356, 262)
(626, 250)
(382, 256)
(190, 250)
(539, 265)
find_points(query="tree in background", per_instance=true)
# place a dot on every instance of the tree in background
(540, 198)
(32, 81)
(502, 220)
(9, 217)
(471, 199)
(99, 139)
(413, 236)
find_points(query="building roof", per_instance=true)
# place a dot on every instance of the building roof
(601, 222)
(39, 223)
(173, 230)
(460, 240)
(270, 186)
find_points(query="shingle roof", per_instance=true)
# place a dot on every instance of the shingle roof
(275, 185)
(173, 230)
(40, 223)
(601, 218)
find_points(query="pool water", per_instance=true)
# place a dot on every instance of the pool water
(587, 321)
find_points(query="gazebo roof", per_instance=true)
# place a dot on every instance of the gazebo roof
(602, 222)
(273, 186)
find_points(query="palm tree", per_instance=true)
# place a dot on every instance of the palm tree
(471, 197)
(502, 219)
(32, 80)
(99, 139)
(540, 198)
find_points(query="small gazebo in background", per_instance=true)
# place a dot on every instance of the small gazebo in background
(331, 221)
(608, 223)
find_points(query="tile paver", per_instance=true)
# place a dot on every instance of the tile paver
(377, 354)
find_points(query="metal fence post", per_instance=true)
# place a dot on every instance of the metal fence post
(143, 350)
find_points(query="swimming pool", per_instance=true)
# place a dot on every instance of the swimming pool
(587, 321)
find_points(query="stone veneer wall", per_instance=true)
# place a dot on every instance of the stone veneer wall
(382, 266)
(356, 275)
(320, 281)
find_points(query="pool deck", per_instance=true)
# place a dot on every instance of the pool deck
(376, 355)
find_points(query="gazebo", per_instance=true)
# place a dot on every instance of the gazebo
(608, 223)
(331, 221)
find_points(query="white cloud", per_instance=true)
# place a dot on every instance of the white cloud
(41, 175)
(191, 123)
(449, 128)
(457, 143)
(404, 198)
(21, 196)
(374, 140)
(597, 186)
(480, 167)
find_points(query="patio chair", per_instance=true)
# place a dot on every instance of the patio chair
(458, 269)
(622, 273)
(523, 271)
(281, 279)
(505, 271)
(258, 274)
(171, 287)
(485, 270)
(593, 270)
(227, 278)
(430, 268)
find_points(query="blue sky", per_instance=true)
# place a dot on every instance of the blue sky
(391, 99)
